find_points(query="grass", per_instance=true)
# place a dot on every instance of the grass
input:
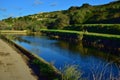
(101, 74)
(61, 31)
(68, 31)
(71, 72)
(98, 24)
(112, 36)
(46, 70)
(109, 36)
(13, 31)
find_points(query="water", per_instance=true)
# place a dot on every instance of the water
(61, 53)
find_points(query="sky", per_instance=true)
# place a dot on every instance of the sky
(17, 8)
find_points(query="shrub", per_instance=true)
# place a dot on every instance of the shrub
(71, 73)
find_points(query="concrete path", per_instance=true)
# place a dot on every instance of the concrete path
(12, 65)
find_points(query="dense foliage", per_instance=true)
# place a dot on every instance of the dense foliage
(74, 18)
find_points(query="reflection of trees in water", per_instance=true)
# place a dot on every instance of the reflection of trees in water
(74, 47)
(104, 44)
(99, 70)
(84, 51)
(20, 39)
(35, 50)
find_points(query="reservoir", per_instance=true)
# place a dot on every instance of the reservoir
(62, 53)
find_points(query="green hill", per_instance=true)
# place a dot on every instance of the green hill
(86, 17)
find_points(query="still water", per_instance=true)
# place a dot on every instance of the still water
(60, 53)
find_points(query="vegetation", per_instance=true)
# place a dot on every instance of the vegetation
(87, 21)
(61, 21)
(71, 73)
(96, 28)
(101, 41)
(99, 19)
(13, 31)
(45, 70)
(78, 33)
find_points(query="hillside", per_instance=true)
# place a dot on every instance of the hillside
(73, 18)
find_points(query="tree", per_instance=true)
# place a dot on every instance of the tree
(19, 25)
(80, 16)
(3, 25)
(35, 26)
(61, 21)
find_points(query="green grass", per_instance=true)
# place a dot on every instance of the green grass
(103, 35)
(97, 24)
(13, 31)
(84, 33)
(61, 31)
(46, 70)
(71, 72)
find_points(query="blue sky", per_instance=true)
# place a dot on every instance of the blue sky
(16, 8)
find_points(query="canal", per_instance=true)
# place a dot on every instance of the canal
(61, 53)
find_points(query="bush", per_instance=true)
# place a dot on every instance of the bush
(71, 73)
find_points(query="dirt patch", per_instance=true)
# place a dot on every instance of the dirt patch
(1, 63)
(8, 64)
(4, 54)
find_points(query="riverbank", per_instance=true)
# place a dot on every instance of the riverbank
(12, 65)
(40, 67)
(13, 31)
(108, 42)
(36, 61)
(62, 53)
(77, 34)
(98, 40)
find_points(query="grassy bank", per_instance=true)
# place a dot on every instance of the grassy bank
(78, 33)
(96, 28)
(106, 42)
(13, 31)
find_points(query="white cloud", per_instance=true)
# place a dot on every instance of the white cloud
(53, 4)
(3, 9)
(37, 2)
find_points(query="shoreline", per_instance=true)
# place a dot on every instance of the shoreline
(108, 42)
(12, 64)
(36, 63)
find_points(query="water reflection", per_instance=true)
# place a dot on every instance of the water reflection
(83, 51)
(21, 40)
(61, 53)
